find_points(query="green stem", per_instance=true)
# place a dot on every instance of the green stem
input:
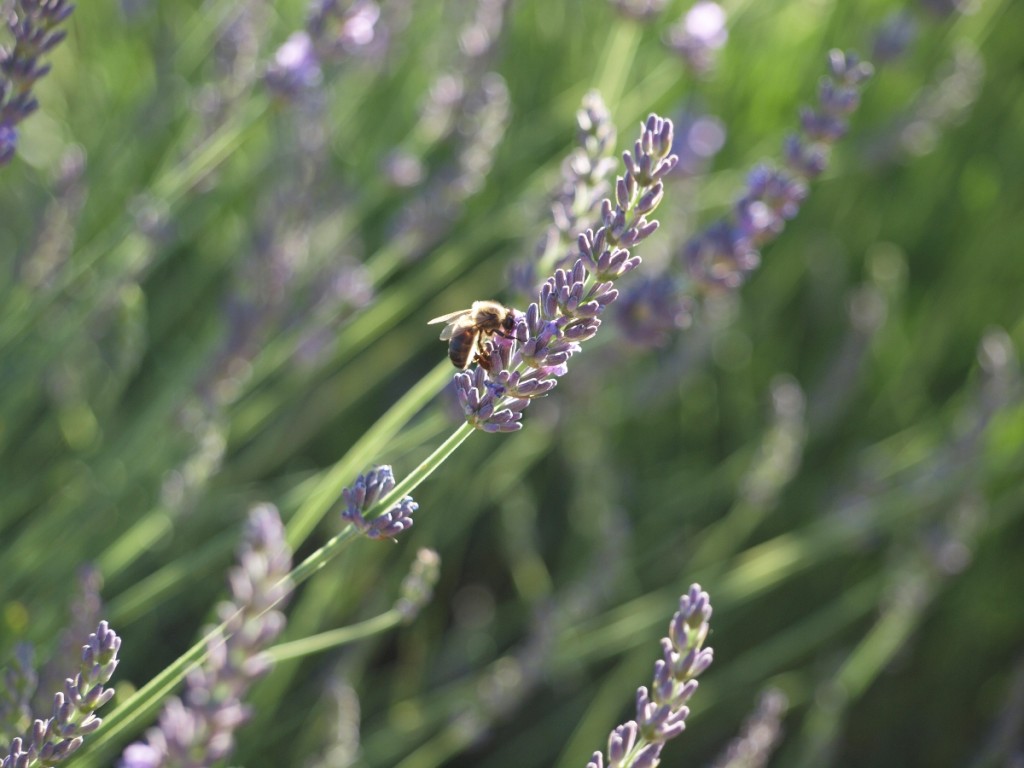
(620, 52)
(336, 637)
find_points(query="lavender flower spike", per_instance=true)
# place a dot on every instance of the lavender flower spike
(661, 711)
(364, 493)
(527, 363)
(720, 258)
(33, 24)
(200, 729)
(55, 739)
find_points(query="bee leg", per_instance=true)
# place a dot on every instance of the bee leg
(483, 359)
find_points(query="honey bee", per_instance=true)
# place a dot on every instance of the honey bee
(468, 328)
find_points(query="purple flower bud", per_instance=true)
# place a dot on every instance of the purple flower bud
(621, 742)
(367, 490)
(8, 140)
(648, 757)
(394, 521)
(804, 159)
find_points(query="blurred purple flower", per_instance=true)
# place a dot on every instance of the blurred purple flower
(650, 310)
(760, 735)
(200, 729)
(893, 37)
(335, 30)
(698, 138)
(341, 29)
(418, 585)
(720, 257)
(295, 69)
(699, 35)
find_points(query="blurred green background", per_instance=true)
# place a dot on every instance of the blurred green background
(211, 295)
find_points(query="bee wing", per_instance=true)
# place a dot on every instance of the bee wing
(474, 350)
(452, 318)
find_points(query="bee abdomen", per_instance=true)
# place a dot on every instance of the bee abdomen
(461, 348)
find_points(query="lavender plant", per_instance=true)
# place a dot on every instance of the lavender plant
(34, 25)
(78, 421)
(566, 313)
(52, 740)
(661, 711)
(720, 257)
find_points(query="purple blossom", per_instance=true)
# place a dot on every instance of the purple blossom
(33, 24)
(486, 404)
(73, 717)
(661, 710)
(566, 313)
(365, 493)
(199, 730)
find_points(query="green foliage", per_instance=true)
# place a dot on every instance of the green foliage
(833, 452)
